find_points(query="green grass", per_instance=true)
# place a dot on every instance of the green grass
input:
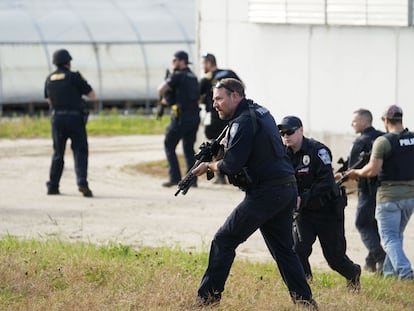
(103, 125)
(57, 275)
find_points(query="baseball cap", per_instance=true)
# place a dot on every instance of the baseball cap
(290, 122)
(181, 55)
(393, 112)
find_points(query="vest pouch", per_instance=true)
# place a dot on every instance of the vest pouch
(175, 111)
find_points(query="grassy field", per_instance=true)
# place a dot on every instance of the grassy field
(109, 124)
(57, 275)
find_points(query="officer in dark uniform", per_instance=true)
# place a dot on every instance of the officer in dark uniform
(181, 93)
(254, 159)
(213, 125)
(367, 189)
(320, 210)
(63, 91)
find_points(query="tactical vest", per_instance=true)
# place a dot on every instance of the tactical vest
(187, 93)
(398, 165)
(63, 92)
(268, 160)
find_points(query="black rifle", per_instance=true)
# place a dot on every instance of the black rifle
(161, 107)
(296, 229)
(344, 165)
(363, 159)
(206, 154)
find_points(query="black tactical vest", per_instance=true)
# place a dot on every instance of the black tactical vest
(398, 165)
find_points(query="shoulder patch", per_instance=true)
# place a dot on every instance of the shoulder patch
(323, 154)
(261, 110)
(57, 76)
(233, 129)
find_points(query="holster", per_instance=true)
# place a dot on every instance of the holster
(340, 202)
(241, 179)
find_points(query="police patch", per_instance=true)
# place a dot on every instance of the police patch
(323, 154)
(306, 160)
(233, 130)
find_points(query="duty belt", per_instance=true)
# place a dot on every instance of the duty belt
(281, 181)
(66, 113)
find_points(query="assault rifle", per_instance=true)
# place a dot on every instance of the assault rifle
(161, 107)
(363, 159)
(344, 165)
(206, 154)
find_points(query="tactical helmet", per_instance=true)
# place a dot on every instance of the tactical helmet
(61, 57)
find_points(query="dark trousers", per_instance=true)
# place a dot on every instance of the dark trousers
(268, 208)
(73, 127)
(328, 225)
(366, 224)
(185, 130)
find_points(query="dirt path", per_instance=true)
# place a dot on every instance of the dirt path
(127, 208)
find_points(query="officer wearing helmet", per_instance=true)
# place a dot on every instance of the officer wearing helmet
(63, 91)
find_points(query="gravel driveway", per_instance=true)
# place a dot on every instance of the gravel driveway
(132, 209)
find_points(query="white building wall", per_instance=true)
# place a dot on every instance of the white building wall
(319, 73)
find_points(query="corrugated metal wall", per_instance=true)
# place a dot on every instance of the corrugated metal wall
(332, 12)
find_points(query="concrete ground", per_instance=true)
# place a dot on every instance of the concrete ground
(128, 208)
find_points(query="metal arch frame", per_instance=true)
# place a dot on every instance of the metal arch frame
(46, 51)
(46, 44)
(143, 50)
(95, 48)
(180, 26)
(42, 40)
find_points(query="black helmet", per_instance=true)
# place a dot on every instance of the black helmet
(61, 57)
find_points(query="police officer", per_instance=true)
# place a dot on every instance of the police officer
(63, 91)
(391, 160)
(213, 124)
(181, 92)
(367, 188)
(320, 210)
(254, 160)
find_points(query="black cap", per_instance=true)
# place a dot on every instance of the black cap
(392, 113)
(290, 122)
(181, 55)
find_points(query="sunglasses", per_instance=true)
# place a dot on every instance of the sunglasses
(288, 132)
(222, 85)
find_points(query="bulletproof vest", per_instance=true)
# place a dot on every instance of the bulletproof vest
(187, 93)
(62, 91)
(268, 159)
(304, 163)
(398, 165)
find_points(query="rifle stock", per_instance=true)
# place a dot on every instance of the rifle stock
(161, 107)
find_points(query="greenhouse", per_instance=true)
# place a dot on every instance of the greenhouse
(122, 47)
